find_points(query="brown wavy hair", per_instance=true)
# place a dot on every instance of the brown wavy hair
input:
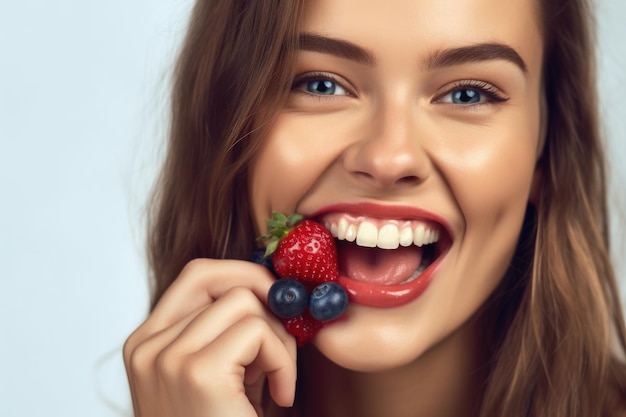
(555, 325)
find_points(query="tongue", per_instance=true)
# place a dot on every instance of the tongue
(378, 266)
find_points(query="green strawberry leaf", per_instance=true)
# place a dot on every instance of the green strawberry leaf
(274, 224)
(293, 220)
(271, 248)
(279, 217)
(278, 226)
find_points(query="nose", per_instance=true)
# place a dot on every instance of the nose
(389, 154)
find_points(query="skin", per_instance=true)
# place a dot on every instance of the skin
(393, 139)
(394, 142)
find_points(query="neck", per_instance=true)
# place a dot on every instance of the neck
(444, 382)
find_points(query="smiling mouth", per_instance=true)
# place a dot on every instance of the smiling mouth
(385, 263)
(384, 266)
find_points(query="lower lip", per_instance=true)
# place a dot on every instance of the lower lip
(385, 296)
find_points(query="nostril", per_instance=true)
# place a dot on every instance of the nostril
(363, 175)
(408, 180)
(387, 181)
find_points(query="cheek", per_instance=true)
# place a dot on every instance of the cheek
(490, 170)
(491, 185)
(288, 165)
(494, 180)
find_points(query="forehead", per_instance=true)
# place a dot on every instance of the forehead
(420, 26)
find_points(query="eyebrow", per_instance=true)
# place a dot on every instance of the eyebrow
(337, 47)
(475, 53)
(442, 58)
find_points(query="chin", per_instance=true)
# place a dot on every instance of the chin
(362, 343)
(385, 339)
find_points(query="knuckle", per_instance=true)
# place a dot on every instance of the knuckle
(243, 295)
(138, 359)
(129, 347)
(167, 363)
(246, 302)
(195, 266)
(195, 375)
(254, 325)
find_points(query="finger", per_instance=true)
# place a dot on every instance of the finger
(254, 388)
(148, 370)
(251, 342)
(142, 347)
(235, 304)
(160, 355)
(201, 282)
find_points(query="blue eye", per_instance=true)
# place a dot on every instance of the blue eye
(466, 96)
(322, 87)
(471, 92)
(319, 85)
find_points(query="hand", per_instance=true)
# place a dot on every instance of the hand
(209, 346)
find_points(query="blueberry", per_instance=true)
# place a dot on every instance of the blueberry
(258, 257)
(287, 298)
(328, 301)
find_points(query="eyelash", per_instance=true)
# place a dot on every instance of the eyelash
(494, 94)
(301, 80)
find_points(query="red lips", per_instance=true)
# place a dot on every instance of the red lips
(386, 292)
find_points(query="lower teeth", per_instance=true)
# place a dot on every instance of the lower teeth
(427, 259)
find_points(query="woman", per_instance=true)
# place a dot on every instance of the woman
(476, 120)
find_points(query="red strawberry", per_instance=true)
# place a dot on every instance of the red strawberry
(302, 249)
(304, 327)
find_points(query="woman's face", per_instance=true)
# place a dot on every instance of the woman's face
(409, 121)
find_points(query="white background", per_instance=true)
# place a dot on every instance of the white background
(82, 98)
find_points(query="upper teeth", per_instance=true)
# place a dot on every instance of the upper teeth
(387, 236)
